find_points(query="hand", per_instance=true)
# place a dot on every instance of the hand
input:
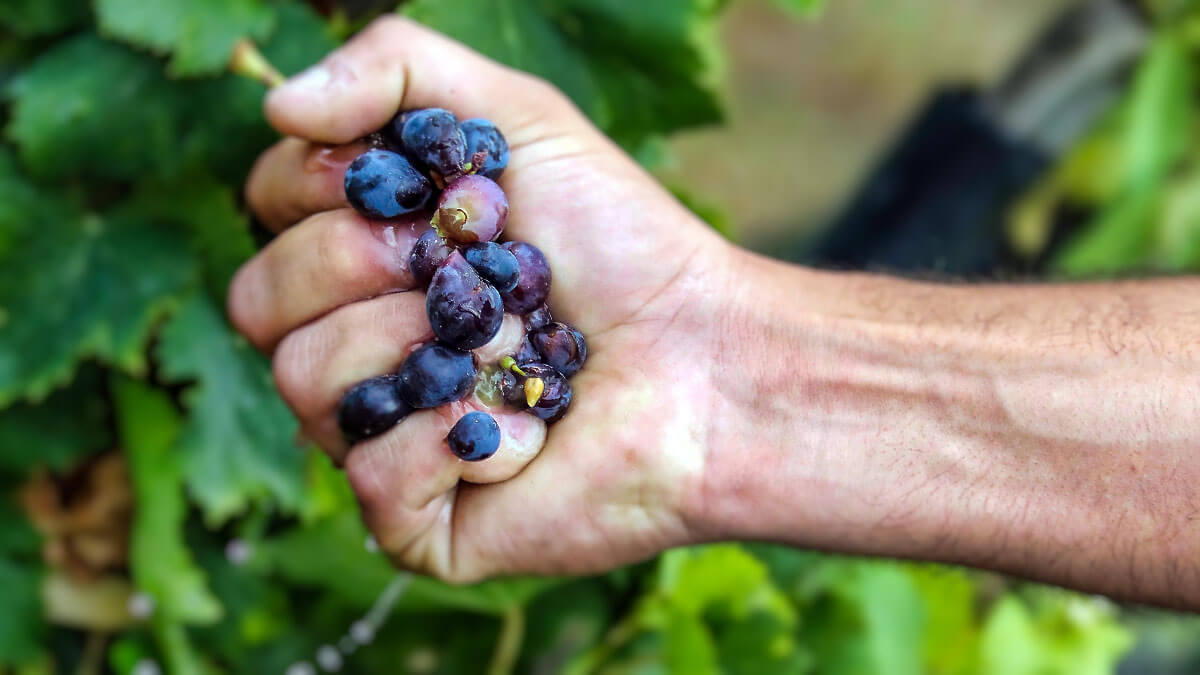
(619, 478)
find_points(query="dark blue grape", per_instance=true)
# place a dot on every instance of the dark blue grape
(538, 318)
(432, 138)
(554, 400)
(560, 346)
(526, 352)
(483, 137)
(370, 408)
(494, 263)
(436, 374)
(427, 255)
(383, 184)
(474, 437)
(464, 310)
(533, 285)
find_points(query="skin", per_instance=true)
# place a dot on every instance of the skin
(1039, 430)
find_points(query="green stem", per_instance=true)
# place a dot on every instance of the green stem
(92, 661)
(616, 638)
(248, 62)
(508, 647)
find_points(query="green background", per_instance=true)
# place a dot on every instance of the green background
(134, 422)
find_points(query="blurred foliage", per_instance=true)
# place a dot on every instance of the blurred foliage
(125, 145)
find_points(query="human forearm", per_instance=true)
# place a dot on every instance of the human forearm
(1043, 430)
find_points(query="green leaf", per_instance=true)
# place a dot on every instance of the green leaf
(332, 554)
(1120, 238)
(637, 69)
(1055, 633)
(41, 17)
(198, 35)
(71, 424)
(20, 613)
(92, 106)
(161, 562)
(807, 9)
(208, 212)
(1160, 115)
(81, 286)
(238, 444)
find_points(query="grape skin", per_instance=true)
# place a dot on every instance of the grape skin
(382, 184)
(483, 136)
(538, 318)
(555, 398)
(427, 255)
(464, 310)
(431, 137)
(560, 346)
(474, 437)
(472, 208)
(533, 285)
(436, 374)
(494, 263)
(370, 408)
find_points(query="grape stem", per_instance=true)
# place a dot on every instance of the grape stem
(508, 646)
(509, 363)
(249, 62)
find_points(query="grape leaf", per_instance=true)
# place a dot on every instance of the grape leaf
(637, 69)
(70, 424)
(238, 442)
(20, 613)
(208, 212)
(41, 17)
(97, 107)
(161, 562)
(198, 35)
(331, 554)
(79, 285)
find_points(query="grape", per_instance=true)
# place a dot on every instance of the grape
(383, 184)
(526, 352)
(427, 255)
(483, 137)
(472, 208)
(370, 408)
(435, 374)
(431, 137)
(474, 437)
(550, 404)
(561, 347)
(533, 285)
(464, 310)
(538, 318)
(493, 263)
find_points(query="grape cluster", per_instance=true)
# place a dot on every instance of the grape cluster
(428, 161)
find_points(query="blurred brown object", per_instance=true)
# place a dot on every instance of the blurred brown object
(84, 516)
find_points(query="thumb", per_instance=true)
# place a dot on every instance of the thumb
(397, 64)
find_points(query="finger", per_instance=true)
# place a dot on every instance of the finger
(406, 481)
(317, 364)
(397, 64)
(294, 179)
(329, 260)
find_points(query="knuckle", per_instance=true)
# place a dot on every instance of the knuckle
(242, 303)
(339, 257)
(366, 482)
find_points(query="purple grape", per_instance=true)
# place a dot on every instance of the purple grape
(538, 318)
(472, 208)
(533, 285)
(383, 184)
(427, 255)
(431, 137)
(464, 310)
(561, 346)
(370, 408)
(493, 263)
(436, 374)
(526, 352)
(555, 396)
(483, 137)
(474, 437)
